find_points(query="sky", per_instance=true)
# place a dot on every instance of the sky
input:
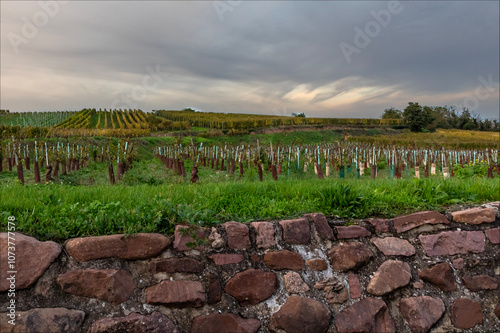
(326, 59)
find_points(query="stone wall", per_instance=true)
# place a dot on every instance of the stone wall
(421, 272)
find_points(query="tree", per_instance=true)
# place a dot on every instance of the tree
(417, 117)
(464, 119)
(392, 113)
(429, 116)
(486, 125)
(441, 116)
(299, 114)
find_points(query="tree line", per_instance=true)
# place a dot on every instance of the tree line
(429, 118)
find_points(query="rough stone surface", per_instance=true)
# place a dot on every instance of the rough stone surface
(135, 323)
(53, 320)
(393, 246)
(493, 235)
(226, 259)
(380, 225)
(139, 246)
(475, 215)
(29, 267)
(418, 285)
(335, 291)
(237, 235)
(480, 282)
(466, 313)
(421, 312)
(352, 231)
(224, 323)
(296, 231)
(214, 292)
(302, 314)
(494, 204)
(111, 285)
(453, 242)
(408, 222)
(338, 298)
(252, 286)
(264, 234)
(458, 263)
(285, 259)
(177, 293)
(317, 264)
(367, 315)
(440, 275)
(176, 265)
(391, 275)
(294, 283)
(215, 239)
(344, 257)
(181, 240)
(354, 286)
(322, 228)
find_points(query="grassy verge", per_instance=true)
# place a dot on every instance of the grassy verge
(58, 212)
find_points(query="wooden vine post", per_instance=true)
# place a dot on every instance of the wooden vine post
(36, 165)
(111, 172)
(19, 165)
(48, 167)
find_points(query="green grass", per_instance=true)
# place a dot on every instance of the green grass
(151, 198)
(58, 212)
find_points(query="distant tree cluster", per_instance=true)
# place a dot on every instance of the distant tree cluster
(429, 118)
(4, 112)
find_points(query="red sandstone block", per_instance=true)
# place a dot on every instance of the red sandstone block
(408, 222)
(322, 228)
(177, 293)
(176, 265)
(466, 313)
(317, 264)
(284, 260)
(493, 235)
(139, 246)
(265, 234)
(453, 242)
(380, 225)
(182, 238)
(352, 231)
(296, 231)
(475, 215)
(237, 235)
(226, 259)
(354, 286)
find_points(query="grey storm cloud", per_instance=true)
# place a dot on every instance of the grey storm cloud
(254, 56)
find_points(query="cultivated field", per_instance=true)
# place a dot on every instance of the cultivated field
(162, 180)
